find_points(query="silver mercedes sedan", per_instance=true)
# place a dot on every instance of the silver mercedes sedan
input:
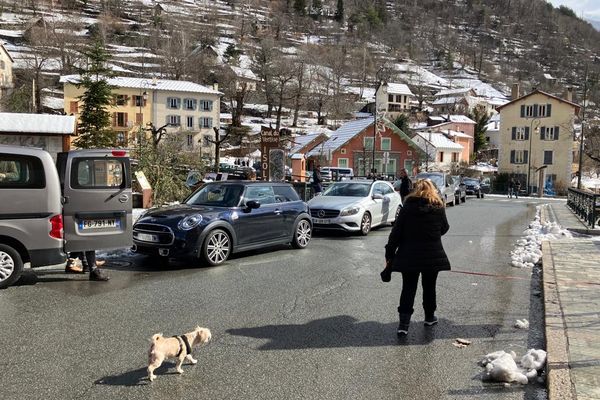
(355, 206)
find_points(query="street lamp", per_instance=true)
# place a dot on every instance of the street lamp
(529, 155)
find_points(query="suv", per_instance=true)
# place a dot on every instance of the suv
(225, 217)
(444, 184)
(337, 173)
(83, 204)
(475, 187)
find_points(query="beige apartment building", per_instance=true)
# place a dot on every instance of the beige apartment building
(536, 140)
(183, 108)
(6, 71)
(394, 99)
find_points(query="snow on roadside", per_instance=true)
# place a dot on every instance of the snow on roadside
(528, 249)
(501, 366)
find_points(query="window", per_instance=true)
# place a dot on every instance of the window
(343, 162)
(368, 143)
(343, 150)
(454, 157)
(390, 98)
(139, 118)
(205, 122)
(173, 102)
(190, 140)
(390, 168)
(206, 105)
(441, 156)
(519, 156)
(120, 119)
(536, 110)
(547, 157)
(189, 122)
(285, 193)
(189, 104)
(529, 111)
(386, 144)
(97, 173)
(398, 98)
(174, 120)
(120, 138)
(139, 101)
(21, 172)
(549, 133)
(121, 99)
(520, 133)
(408, 166)
(74, 107)
(262, 194)
(409, 152)
(406, 99)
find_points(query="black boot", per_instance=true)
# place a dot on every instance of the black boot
(97, 275)
(430, 319)
(404, 324)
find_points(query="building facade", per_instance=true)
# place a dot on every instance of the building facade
(186, 109)
(394, 99)
(536, 140)
(6, 72)
(443, 153)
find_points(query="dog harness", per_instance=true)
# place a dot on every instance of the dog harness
(183, 341)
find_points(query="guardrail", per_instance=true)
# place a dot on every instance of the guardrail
(585, 204)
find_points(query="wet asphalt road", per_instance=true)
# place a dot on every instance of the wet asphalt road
(287, 324)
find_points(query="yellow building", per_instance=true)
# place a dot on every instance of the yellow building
(536, 140)
(183, 108)
(6, 71)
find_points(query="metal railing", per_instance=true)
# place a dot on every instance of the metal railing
(585, 204)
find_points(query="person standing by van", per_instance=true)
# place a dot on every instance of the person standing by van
(317, 184)
(89, 264)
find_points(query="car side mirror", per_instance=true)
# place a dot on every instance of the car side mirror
(252, 204)
(377, 196)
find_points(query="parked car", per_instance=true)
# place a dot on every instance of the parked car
(460, 189)
(337, 173)
(222, 218)
(444, 184)
(474, 187)
(355, 206)
(81, 203)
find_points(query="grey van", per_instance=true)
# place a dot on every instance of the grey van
(45, 212)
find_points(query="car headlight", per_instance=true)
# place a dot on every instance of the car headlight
(349, 211)
(190, 222)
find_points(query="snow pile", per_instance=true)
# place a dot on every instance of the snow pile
(528, 250)
(501, 366)
(522, 324)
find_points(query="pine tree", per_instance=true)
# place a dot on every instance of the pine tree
(94, 127)
(339, 13)
(300, 7)
(481, 119)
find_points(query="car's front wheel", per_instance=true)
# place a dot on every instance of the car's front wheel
(365, 224)
(302, 234)
(11, 266)
(216, 247)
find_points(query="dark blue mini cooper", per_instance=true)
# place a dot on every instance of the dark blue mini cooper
(222, 218)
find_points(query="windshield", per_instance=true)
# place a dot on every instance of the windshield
(438, 180)
(217, 195)
(351, 189)
(471, 181)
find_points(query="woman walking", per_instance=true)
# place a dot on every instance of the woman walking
(415, 248)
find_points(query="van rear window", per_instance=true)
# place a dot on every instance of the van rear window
(21, 172)
(99, 173)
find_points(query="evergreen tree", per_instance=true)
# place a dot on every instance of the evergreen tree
(300, 7)
(317, 8)
(481, 119)
(95, 122)
(339, 12)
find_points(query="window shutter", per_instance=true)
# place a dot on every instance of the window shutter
(514, 133)
(209, 122)
(133, 100)
(169, 102)
(168, 121)
(114, 119)
(525, 157)
(195, 103)
(210, 105)
(556, 133)
(512, 156)
(178, 103)
(535, 110)
(548, 110)
(125, 119)
(543, 133)
(526, 133)
(523, 111)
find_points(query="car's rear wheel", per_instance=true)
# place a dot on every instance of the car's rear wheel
(302, 234)
(216, 247)
(365, 224)
(11, 266)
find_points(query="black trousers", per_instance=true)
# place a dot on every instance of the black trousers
(89, 260)
(410, 281)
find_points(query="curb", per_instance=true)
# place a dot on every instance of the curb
(559, 380)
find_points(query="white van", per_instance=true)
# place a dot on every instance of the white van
(336, 173)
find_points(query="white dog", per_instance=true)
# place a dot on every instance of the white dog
(177, 346)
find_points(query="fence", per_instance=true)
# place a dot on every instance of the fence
(585, 204)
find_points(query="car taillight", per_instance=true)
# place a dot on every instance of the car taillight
(119, 153)
(56, 227)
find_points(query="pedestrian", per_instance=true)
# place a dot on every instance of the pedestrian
(511, 187)
(403, 185)
(415, 248)
(89, 264)
(317, 184)
(517, 188)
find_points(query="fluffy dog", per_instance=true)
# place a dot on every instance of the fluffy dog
(177, 346)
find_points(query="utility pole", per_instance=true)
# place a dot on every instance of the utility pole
(582, 137)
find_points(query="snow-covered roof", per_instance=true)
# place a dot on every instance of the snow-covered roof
(398, 88)
(448, 100)
(452, 133)
(342, 135)
(302, 140)
(440, 141)
(158, 84)
(37, 123)
(450, 92)
(459, 119)
(549, 77)
(6, 51)
(245, 73)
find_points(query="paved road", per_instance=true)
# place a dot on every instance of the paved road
(287, 324)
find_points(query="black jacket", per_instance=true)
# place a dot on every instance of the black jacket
(415, 243)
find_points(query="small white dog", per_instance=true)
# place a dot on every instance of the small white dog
(177, 346)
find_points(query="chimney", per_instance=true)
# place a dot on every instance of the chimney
(216, 86)
(515, 93)
(569, 94)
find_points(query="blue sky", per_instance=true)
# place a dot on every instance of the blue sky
(590, 9)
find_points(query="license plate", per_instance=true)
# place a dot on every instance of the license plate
(146, 237)
(321, 221)
(98, 223)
